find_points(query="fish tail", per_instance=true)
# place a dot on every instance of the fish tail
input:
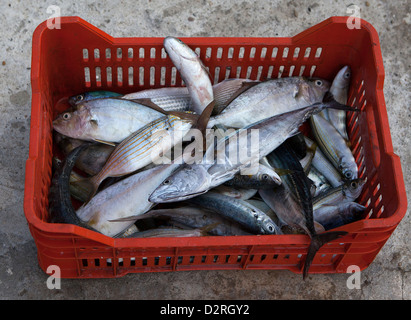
(317, 242)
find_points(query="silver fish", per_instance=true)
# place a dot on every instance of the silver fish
(333, 145)
(197, 178)
(265, 177)
(339, 89)
(324, 166)
(192, 71)
(347, 192)
(320, 183)
(168, 232)
(270, 98)
(91, 95)
(238, 210)
(238, 193)
(109, 119)
(128, 197)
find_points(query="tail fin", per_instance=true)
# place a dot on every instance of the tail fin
(316, 243)
(334, 104)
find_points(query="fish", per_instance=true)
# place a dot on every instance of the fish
(300, 188)
(264, 178)
(197, 217)
(109, 120)
(91, 95)
(339, 89)
(321, 163)
(192, 71)
(140, 149)
(349, 191)
(334, 147)
(197, 178)
(270, 98)
(331, 217)
(238, 210)
(60, 206)
(125, 198)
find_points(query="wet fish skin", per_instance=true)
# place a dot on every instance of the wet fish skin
(334, 147)
(192, 71)
(125, 198)
(331, 217)
(91, 95)
(238, 210)
(320, 183)
(239, 193)
(168, 232)
(108, 119)
(339, 89)
(324, 166)
(270, 98)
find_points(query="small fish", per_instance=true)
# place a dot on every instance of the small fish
(238, 193)
(91, 95)
(109, 119)
(270, 98)
(331, 217)
(192, 71)
(238, 210)
(264, 178)
(333, 145)
(168, 232)
(324, 166)
(347, 192)
(140, 149)
(320, 182)
(339, 89)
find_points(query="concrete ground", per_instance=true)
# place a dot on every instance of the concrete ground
(388, 277)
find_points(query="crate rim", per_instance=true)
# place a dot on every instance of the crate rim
(37, 223)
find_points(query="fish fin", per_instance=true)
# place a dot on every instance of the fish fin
(244, 87)
(204, 118)
(331, 103)
(185, 115)
(147, 102)
(317, 242)
(318, 227)
(113, 144)
(89, 185)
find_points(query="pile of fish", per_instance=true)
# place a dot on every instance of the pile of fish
(136, 168)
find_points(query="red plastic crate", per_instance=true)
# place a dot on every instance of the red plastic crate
(79, 57)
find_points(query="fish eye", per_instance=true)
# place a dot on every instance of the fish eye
(348, 174)
(347, 75)
(265, 176)
(354, 185)
(318, 83)
(270, 228)
(166, 181)
(80, 97)
(66, 116)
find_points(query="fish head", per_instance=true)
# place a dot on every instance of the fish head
(268, 175)
(354, 187)
(73, 123)
(349, 169)
(267, 226)
(343, 78)
(179, 51)
(188, 182)
(318, 88)
(76, 99)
